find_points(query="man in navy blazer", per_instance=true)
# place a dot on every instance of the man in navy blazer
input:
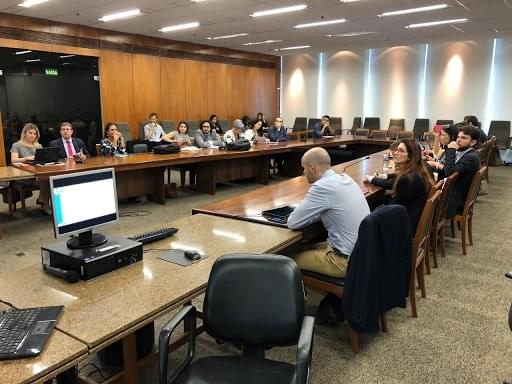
(70, 147)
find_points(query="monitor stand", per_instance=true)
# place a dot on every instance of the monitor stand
(86, 239)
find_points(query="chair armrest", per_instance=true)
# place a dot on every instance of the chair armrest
(188, 315)
(305, 349)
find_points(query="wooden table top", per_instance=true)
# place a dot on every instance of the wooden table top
(13, 173)
(248, 207)
(109, 307)
(150, 160)
(60, 353)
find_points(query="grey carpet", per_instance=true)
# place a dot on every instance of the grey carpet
(460, 336)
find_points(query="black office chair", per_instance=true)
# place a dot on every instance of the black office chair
(312, 122)
(371, 123)
(300, 124)
(239, 308)
(420, 127)
(444, 122)
(356, 124)
(500, 129)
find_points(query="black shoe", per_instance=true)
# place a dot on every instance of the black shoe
(323, 315)
(337, 307)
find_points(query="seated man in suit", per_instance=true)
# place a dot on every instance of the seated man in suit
(460, 156)
(235, 133)
(277, 132)
(323, 128)
(205, 137)
(70, 147)
(339, 203)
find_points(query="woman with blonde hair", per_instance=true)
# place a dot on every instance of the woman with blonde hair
(24, 150)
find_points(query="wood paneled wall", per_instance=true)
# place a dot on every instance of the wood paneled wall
(134, 85)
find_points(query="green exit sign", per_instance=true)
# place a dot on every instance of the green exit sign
(51, 72)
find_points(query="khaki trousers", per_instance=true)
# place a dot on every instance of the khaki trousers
(321, 258)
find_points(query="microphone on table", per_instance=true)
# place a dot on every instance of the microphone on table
(68, 275)
(354, 163)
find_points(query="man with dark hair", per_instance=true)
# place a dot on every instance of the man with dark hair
(153, 131)
(70, 147)
(473, 120)
(323, 128)
(461, 157)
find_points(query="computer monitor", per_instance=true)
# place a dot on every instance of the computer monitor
(81, 202)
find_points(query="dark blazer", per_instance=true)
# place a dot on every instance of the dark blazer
(410, 193)
(77, 143)
(467, 166)
(277, 135)
(378, 273)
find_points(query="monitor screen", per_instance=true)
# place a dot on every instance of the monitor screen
(83, 201)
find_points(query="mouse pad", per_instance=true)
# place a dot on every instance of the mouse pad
(177, 256)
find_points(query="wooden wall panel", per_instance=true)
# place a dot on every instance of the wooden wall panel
(217, 91)
(146, 88)
(197, 90)
(116, 85)
(269, 94)
(252, 91)
(173, 87)
(235, 89)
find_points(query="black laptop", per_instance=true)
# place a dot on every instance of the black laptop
(43, 156)
(278, 215)
(24, 332)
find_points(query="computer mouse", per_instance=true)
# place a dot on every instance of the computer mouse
(192, 255)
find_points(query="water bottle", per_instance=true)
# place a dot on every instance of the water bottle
(385, 162)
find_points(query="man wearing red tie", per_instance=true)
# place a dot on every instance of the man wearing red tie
(70, 147)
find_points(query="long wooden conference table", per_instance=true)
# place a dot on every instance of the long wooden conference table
(113, 306)
(142, 174)
(249, 206)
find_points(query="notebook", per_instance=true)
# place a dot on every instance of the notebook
(48, 155)
(279, 214)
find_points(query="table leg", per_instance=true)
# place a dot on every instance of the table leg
(130, 359)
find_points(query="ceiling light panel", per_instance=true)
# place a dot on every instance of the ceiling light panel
(276, 11)
(436, 23)
(31, 3)
(179, 27)
(226, 36)
(414, 10)
(120, 15)
(320, 23)
(22, 52)
(290, 48)
(263, 42)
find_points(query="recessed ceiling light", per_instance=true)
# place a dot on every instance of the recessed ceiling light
(297, 47)
(263, 42)
(226, 36)
(179, 27)
(66, 56)
(120, 15)
(351, 34)
(22, 52)
(276, 11)
(320, 23)
(197, 1)
(348, 1)
(30, 3)
(414, 10)
(32, 60)
(434, 23)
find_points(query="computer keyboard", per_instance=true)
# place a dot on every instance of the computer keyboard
(15, 326)
(158, 234)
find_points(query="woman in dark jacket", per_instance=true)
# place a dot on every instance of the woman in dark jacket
(411, 182)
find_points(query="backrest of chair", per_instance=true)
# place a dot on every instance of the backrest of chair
(168, 126)
(312, 121)
(300, 124)
(371, 123)
(379, 133)
(420, 127)
(423, 229)
(405, 135)
(336, 124)
(355, 125)
(225, 124)
(193, 126)
(445, 186)
(473, 190)
(395, 126)
(362, 132)
(124, 128)
(444, 122)
(140, 148)
(254, 299)
(500, 129)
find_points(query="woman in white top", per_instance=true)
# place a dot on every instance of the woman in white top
(24, 150)
(255, 133)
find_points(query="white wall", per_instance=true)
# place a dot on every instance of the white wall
(436, 81)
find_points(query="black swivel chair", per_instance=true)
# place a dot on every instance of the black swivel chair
(312, 122)
(444, 122)
(371, 123)
(300, 124)
(420, 127)
(500, 129)
(355, 125)
(239, 308)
